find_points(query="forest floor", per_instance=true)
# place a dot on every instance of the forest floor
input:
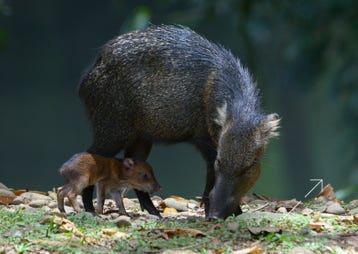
(30, 223)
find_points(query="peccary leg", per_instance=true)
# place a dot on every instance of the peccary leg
(140, 151)
(101, 195)
(87, 195)
(209, 153)
(210, 181)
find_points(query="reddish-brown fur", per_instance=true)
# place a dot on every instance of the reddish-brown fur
(108, 174)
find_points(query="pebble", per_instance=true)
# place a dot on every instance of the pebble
(282, 209)
(2, 186)
(52, 204)
(52, 195)
(7, 193)
(300, 250)
(178, 205)
(123, 221)
(27, 197)
(233, 226)
(354, 211)
(307, 211)
(335, 208)
(38, 203)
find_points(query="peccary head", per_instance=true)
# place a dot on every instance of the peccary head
(238, 162)
(140, 176)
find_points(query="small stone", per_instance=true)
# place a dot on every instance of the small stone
(300, 250)
(233, 226)
(123, 221)
(52, 195)
(105, 216)
(354, 211)
(152, 217)
(307, 211)
(178, 205)
(282, 210)
(46, 209)
(335, 208)
(157, 198)
(23, 206)
(3, 187)
(38, 203)
(354, 203)
(7, 193)
(114, 215)
(27, 197)
(52, 204)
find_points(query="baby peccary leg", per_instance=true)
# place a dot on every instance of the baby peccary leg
(72, 194)
(118, 198)
(60, 199)
(101, 195)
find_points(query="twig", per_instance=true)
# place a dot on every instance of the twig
(259, 208)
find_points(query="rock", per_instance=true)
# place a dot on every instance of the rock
(233, 226)
(38, 203)
(46, 209)
(52, 195)
(179, 205)
(335, 208)
(282, 209)
(3, 187)
(193, 204)
(27, 197)
(114, 215)
(7, 193)
(300, 250)
(354, 211)
(157, 198)
(52, 204)
(123, 221)
(152, 217)
(307, 211)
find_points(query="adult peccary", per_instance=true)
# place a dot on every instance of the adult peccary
(169, 84)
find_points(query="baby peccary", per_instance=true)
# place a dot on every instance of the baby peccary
(108, 174)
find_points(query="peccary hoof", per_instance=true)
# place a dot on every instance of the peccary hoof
(238, 211)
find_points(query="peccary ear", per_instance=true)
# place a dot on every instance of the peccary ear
(268, 128)
(128, 163)
(222, 115)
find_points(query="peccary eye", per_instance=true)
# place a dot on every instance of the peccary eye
(144, 176)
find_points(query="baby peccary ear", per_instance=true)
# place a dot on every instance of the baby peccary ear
(128, 163)
(268, 128)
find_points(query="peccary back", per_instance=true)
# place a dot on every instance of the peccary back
(169, 84)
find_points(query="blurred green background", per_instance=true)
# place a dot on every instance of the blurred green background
(303, 54)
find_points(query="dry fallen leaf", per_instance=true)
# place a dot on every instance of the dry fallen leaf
(169, 210)
(328, 192)
(64, 225)
(19, 192)
(6, 200)
(114, 232)
(355, 219)
(253, 250)
(170, 233)
(319, 225)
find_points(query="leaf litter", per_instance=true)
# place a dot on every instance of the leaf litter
(267, 226)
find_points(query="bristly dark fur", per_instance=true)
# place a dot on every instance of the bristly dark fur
(168, 84)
